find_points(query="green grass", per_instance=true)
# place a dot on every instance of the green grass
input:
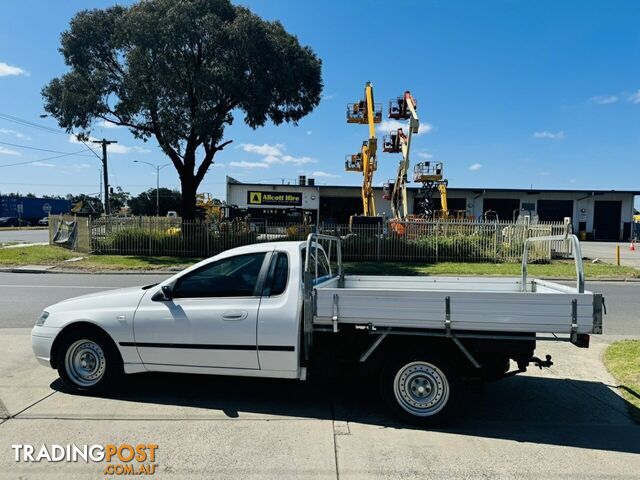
(51, 255)
(623, 361)
(36, 255)
(558, 269)
(132, 262)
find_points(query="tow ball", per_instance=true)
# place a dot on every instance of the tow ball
(546, 363)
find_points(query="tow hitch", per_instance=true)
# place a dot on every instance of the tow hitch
(546, 363)
(523, 364)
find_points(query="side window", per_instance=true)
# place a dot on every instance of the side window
(280, 274)
(229, 277)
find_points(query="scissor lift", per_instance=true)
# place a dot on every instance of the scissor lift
(431, 176)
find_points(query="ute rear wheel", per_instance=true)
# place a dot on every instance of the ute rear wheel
(421, 389)
(88, 362)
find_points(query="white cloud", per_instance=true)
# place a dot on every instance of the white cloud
(8, 151)
(10, 70)
(274, 154)
(15, 133)
(559, 135)
(296, 160)
(248, 164)
(474, 167)
(635, 97)
(42, 164)
(604, 99)
(265, 149)
(425, 155)
(116, 148)
(328, 96)
(321, 174)
(387, 126)
(105, 124)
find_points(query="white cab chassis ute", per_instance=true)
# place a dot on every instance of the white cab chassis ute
(283, 309)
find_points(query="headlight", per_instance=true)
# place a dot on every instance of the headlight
(42, 319)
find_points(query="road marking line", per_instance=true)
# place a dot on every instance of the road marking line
(58, 286)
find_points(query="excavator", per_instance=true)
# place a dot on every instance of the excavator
(365, 112)
(402, 108)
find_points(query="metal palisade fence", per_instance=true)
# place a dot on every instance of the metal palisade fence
(417, 241)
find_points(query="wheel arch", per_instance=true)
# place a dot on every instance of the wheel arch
(74, 326)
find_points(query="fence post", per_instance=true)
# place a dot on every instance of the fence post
(495, 243)
(378, 242)
(435, 227)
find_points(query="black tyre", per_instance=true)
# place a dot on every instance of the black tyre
(421, 388)
(88, 361)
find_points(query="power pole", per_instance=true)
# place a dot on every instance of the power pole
(105, 172)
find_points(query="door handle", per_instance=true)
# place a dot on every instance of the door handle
(235, 315)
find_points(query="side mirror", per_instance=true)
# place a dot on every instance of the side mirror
(164, 294)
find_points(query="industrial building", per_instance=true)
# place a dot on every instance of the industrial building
(601, 214)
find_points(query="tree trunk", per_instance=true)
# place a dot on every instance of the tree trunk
(189, 189)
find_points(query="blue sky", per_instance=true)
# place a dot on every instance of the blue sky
(512, 94)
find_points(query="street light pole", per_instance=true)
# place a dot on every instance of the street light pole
(158, 168)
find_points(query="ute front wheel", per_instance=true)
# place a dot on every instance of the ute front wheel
(88, 362)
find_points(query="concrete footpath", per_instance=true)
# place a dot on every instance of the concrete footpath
(566, 422)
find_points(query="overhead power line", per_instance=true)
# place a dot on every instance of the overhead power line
(28, 123)
(43, 149)
(43, 159)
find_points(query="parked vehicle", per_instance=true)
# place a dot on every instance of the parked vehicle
(44, 221)
(283, 310)
(13, 222)
(31, 209)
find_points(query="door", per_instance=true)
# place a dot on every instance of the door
(606, 219)
(211, 320)
(554, 210)
(504, 207)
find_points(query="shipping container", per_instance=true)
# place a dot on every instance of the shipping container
(32, 209)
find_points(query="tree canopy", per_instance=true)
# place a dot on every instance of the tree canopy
(145, 203)
(179, 72)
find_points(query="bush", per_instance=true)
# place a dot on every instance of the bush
(195, 240)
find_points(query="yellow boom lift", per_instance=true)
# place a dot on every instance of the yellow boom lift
(402, 108)
(365, 112)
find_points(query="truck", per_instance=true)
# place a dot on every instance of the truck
(32, 209)
(288, 310)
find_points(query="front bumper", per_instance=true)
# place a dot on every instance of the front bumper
(41, 342)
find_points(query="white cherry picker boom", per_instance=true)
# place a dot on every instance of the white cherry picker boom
(402, 108)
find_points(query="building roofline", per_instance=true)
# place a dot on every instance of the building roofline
(451, 189)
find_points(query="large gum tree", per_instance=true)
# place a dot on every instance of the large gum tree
(179, 71)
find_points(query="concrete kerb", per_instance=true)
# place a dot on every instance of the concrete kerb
(57, 270)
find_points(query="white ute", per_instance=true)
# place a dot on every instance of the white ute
(278, 309)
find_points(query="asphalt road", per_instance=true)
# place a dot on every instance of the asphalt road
(24, 236)
(23, 296)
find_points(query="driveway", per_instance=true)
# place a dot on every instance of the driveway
(565, 422)
(606, 251)
(23, 236)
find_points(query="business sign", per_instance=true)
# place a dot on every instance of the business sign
(289, 199)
